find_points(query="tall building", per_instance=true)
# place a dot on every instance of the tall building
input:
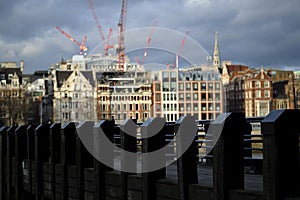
(191, 91)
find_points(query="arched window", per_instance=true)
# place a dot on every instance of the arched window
(266, 84)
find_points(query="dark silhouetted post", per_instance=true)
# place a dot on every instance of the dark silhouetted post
(20, 154)
(280, 130)
(100, 169)
(228, 153)
(68, 152)
(54, 155)
(186, 163)
(30, 158)
(42, 152)
(3, 131)
(150, 144)
(128, 143)
(83, 158)
(10, 153)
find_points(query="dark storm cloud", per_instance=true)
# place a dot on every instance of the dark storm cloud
(253, 32)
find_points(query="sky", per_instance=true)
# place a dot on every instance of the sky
(254, 33)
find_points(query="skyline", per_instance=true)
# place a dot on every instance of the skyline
(253, 33)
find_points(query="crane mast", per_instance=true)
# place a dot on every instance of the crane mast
(180, 50)
(121, 36)
(148, 42)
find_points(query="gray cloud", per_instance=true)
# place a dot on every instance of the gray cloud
(253, 32)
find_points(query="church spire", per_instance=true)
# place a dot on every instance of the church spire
(216, 58)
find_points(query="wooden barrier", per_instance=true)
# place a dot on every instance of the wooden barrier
(51, 162)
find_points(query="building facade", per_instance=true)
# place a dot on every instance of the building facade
(122, 96)
(258, 94)
(187, 92)
(74, 96)
(248, 90)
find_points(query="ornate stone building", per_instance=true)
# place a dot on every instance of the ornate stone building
(74, 96)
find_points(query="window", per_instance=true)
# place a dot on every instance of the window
(158, 107)
(157, 86)
(188, 86)
(210, 106)
(267, 93)
(203, 86)
(188, 107)
(257, 84)
(217, 95)
(217, 86)
(157, 97)
(257, 93)
(173, 74)
(188, 96)
(195, 96)
(166, 86)
(218, 107)
(195, 86)
(210, 96)
(181, 107)
(181, 88)
(203, 96)
(195, 107)
(175, 97)
(173, 86)
(165, 74)
(203, 106)
(181, 96)
(266, 84)
(210, 86)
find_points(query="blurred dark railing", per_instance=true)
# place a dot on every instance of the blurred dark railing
(51, 162)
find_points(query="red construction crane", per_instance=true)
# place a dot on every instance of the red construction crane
(180, 50)
(81, 45)
(106, 42)
(148, 44)
(121, 36)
